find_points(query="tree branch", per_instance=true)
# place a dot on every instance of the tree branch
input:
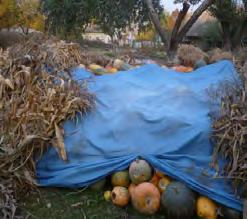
(198, 12)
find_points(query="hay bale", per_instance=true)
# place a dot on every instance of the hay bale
(188, 55)
(218, 54)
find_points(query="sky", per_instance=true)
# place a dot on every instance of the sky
(170, 6)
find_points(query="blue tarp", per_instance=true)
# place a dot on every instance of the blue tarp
(150, 112)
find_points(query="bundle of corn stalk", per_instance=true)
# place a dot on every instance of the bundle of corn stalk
(50, 53)
(188, 55)
(35, 98)
(230, 134)
(217, 54)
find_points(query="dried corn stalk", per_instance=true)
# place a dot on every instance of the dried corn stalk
(230, 133)
(218, 54)
(35, 98)
(188, 55)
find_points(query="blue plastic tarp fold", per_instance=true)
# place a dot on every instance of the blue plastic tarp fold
(150, 112)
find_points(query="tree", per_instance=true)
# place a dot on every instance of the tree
(68, 16)
(29, 16)
(245, 5)
(148, 35)
(8, 12)
(112, 16)
(178, 32)
(171, 20)
(232, 17)
(23, 13)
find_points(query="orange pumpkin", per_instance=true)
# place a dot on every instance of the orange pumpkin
(146, 198)
(110, 69)
(155, 180)
(182, 68)
(120, 196)
(120, 178)
(163, 183)
(131, 189)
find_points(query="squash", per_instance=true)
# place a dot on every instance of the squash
(140, 171)
(131, 189)
(107, 195)
(117, 63)
(120, 196)
(125, 67)
(111, 70)
(163, 183)
(92, 67)
(200, 63)
(146, 198)
(206, 208)
(178, 201)
(120, 178)
(229, 213)
(97, 69)
(155, 180)
(182, 68)
(121, 65)
(98, 186)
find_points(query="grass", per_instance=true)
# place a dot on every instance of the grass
(53, 203)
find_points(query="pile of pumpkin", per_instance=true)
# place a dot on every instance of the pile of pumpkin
(150, 191)
(111, 67)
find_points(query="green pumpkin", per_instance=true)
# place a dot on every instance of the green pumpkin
(140, 171)
(98, 186)
(178, 201)
(229, 213)
(125, 67)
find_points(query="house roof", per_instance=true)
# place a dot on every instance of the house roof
(201, 25)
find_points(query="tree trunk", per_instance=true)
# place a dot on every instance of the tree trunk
(198, 12)
(155, 19)
(173, 41)
(226, 36)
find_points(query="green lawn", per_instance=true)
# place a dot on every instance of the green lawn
(53, 203)
(68, 204)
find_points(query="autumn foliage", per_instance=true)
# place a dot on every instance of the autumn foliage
(25, 14)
